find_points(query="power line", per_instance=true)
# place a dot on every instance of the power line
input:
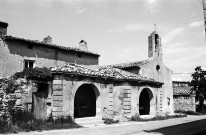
(184, 73)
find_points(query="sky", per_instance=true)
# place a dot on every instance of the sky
(118, 30)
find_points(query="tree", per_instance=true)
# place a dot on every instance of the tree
(199, 84)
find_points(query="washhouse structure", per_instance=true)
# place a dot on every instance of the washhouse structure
(121, 90)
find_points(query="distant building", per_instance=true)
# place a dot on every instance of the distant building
(184, 97)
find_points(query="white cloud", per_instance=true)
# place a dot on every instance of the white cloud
(81, 10)
(174, 48)
(172, 34)
(151, 6)
(196, 24)
(151, 1)
(132, 27)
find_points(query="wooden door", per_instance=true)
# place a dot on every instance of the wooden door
(40, 102)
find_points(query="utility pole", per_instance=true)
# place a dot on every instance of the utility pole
(204, 12)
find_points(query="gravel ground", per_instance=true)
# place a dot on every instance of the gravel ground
(190, 125)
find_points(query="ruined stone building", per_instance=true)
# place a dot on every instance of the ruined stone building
(19, 53)
(82, 88)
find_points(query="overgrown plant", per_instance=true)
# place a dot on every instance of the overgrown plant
(110, 121)
(35, 74)
(199, 84)
(25, 121)
(8, 85)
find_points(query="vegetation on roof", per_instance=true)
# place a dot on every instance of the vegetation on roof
(35, 74)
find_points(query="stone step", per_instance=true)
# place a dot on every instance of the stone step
(89, 121)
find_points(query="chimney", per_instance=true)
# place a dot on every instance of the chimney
(47, 40)
(3, 28)
(83, 45)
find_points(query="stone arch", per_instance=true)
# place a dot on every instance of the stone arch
(85, 99)
(146, 97)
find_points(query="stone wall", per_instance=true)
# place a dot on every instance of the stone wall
(66, 86)
(69, 84)
(113, 99)
(20, 95)
(57, 96)
(165, 96)
(184, 103)
(126, 100)
(13, 98)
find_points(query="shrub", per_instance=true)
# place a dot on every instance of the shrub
(137, 118)
(63, 120)
(25, 121)
(3, 123)
(8, 85)
(22, 116)
(110, 121)
(35, 74)
(187, 112)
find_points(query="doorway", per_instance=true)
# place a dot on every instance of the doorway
(85, 102)
(144, 102)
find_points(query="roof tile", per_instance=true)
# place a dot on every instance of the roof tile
(130, 64)
(100, 71)
(182, 90)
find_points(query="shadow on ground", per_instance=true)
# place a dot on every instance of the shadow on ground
(191, 128)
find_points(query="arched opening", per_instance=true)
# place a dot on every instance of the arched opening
(85, 101)
(158, 68)
(144, 102)
(156, 39)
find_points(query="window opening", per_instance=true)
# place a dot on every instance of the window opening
(30, 46)
(156, 38)
(28, 64)
(157, 67)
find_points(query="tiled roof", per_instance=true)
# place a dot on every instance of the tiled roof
(100, 71)
(182, 90)
(185, 82)
(50, 45)
(130, 64)
(154, 32)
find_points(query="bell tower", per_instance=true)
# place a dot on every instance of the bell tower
(154, 45)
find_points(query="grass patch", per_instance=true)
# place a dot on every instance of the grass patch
(188, 112)
(137, 118)
(191, 112)
(23, 121)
